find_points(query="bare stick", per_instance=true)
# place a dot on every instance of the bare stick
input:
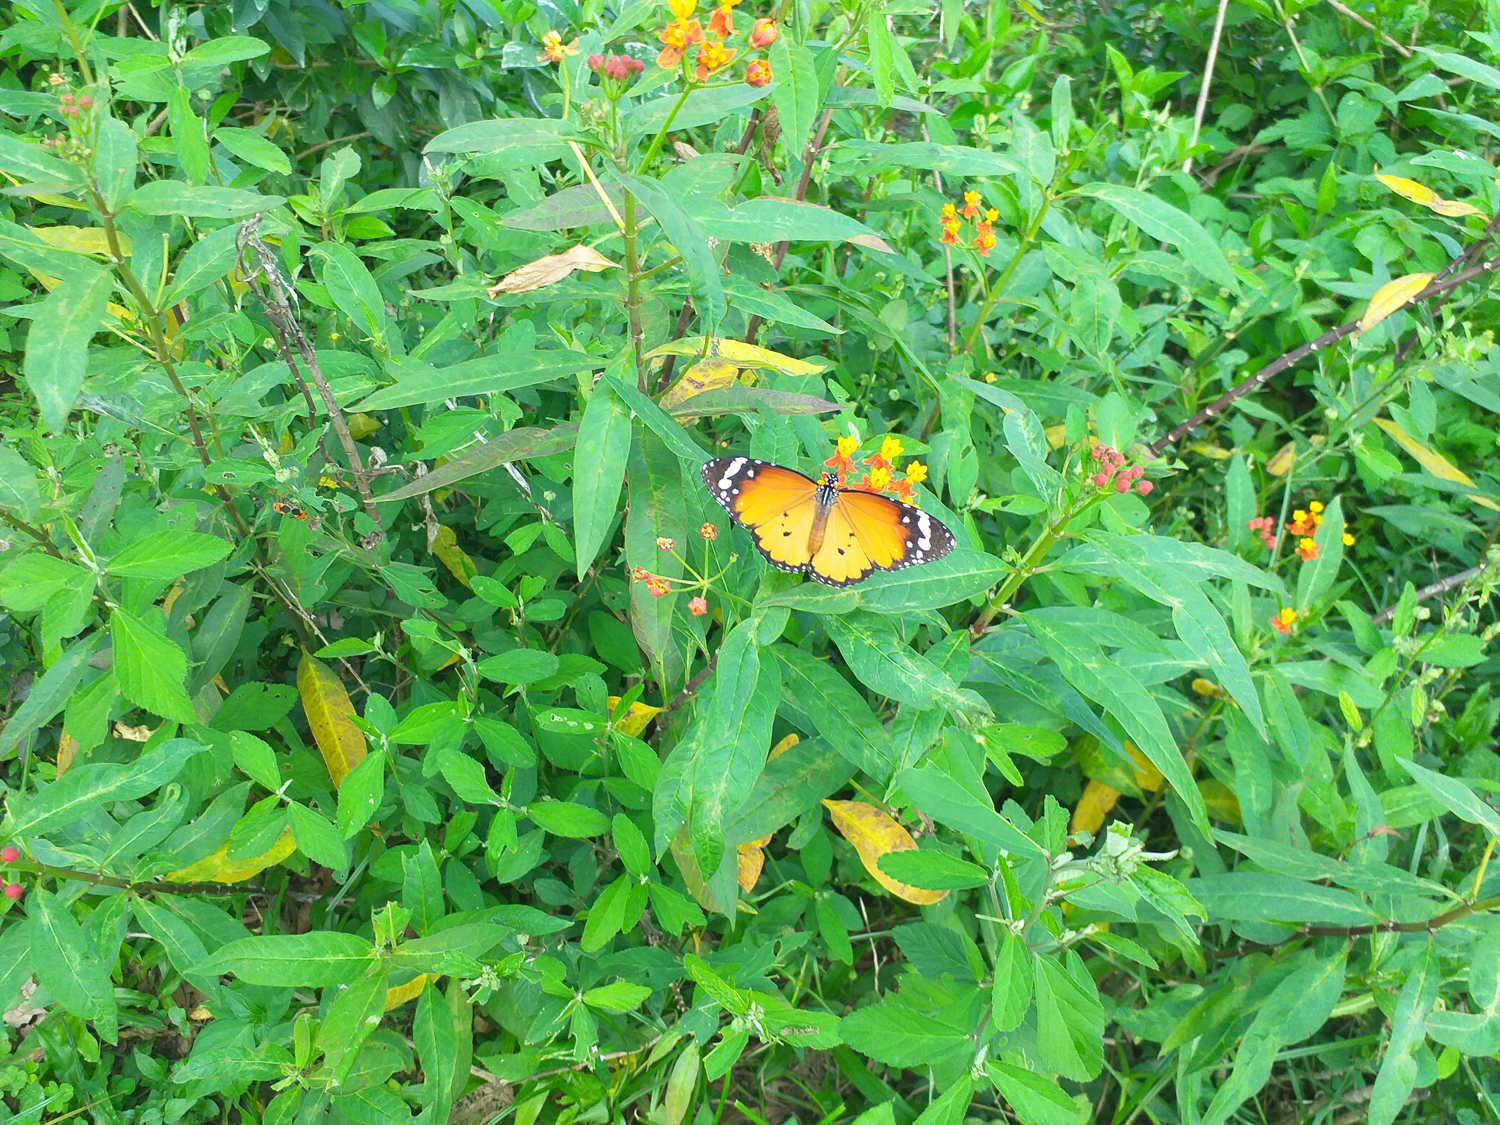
(937, 182)
(1436, 590)
(273, 295)
(1208, 77)
(1359, 19)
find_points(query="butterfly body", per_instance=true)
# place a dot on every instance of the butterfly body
(836, 535)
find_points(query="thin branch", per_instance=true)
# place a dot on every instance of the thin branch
(937, 183)
(1359, 19)
(329, 144)
(1435, 590)
(1438, 286)
(1208, 77)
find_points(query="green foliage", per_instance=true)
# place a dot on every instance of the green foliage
(396, 730)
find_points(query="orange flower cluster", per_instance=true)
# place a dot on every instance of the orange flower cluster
(1304, 525)
(684, 33)
(882, 472)
(984, 230)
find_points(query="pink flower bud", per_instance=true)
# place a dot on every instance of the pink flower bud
(615, 68)
(86, 102)
(1144, 487)
(596, 63)
(1122, 485)
(14, 891)
(1100, 480)
(635, 66)
(763, 34)
(10, 854)
(698, 607)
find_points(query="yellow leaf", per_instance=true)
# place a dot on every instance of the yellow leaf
(219, 868)
(1430, 459)
(1056, 436)
(54, 200)
(705, 375)
(328, 708)
(750, 859)
(687, 865)
(401, 993)
(1214, 452)
(1147, 776)
(450, 554)
(636, 719)
(738, 352)
(550, 270)
(81, 240)
(1281, 464)
(67, 750)
(1393, 296)
(1093, 807)
(783, 746)
(362, 426)
(873, 835)
(1424, 196)
(1221, 801)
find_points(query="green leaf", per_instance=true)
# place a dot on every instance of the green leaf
(165, 555)
(947, 160)
(316, 838)
(56, 358)
(600, 456)
(419, 385)
(352, 288)
(896, 1034)
(256, 760)
(149, 667)
(254, 149)
(1455, 796)
(1084, 665)
(773, 219)
(564, 818)
(467, 778)
(1399, 1068)
(185, 950)
(513, 445)
(617, 997)
(34, 162)
(19, 490)
(172, 197)
(206, 261)
(64, 965)
(658, 508)
(95, 784)
(835, 710)
(360, 793)
(519, 666)
(1453, 650)
(507, 135)
(887, 666)
(662, 424)
(882, 48)
(690, 242)
(1070, 1021)
(1465, 67)
(1161, 221)
(949, 1108)
(933, 871)
(352, 1017)
(1035, 1099)
(1253, 896)
(226, 49)
(1315, 578)
(943, 799)
(436, 1039)
(311, 960)
(1011, 993)
(795, 92)
(49, 694)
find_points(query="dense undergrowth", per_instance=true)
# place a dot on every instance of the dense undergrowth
(396, 728)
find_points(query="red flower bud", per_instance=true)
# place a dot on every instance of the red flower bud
(763, 34)
(14, 891)
(86, 102)
(758, 73)
(1100, 480)
(1122, 485)
(596, 63)
(615, 68)
(10, 854)
(635, 66)
(1144, 487)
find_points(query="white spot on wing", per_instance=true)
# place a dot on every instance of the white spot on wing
(729, 474)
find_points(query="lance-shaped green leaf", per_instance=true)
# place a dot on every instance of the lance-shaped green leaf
(49, 694)
(690, 242)
(886, 665)
(312, 960)
(65, 966)
(1162, 222)
(828, 702)
(149, 667)
(165, 555)
(57, 355)
(947, 802)
(599, 471)
(93, 784)
(513, 445)
(1399, 1068)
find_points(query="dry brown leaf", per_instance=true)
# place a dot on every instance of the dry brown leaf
(873, 834)
(132, 734)
(551, 269)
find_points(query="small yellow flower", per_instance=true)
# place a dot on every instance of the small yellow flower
(847, 446)
(880, 478)
(890, 448)
(554, 50)
(991, 215)
(1315, 506)
(916, 472)
(971, 205)
(1299, 516)
(1348, 539)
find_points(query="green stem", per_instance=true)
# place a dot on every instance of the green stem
(661, 136)
(73, 42)
(633, 292)
(28, 866)
(999, 286)
(1044, 543)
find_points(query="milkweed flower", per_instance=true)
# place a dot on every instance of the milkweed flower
(984, 239)
(665, 544)
(758, 74)
(880, 478)
(1283, 620)
(554, 50)
(659, 587)
(916, 472)
(640, 574)
(890, 449)
(763, 34)
(677, 36)
(712, 56)
(697, 607)
(1307, 549)
(970, 209)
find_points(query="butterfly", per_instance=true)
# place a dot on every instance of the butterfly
(837, 535)
(283, 508)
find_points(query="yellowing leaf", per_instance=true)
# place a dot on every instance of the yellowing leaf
(1430, 459)
(1281, 463)
(783, 746)
(362, 426)
(450, 554)
(81, 240)
(873, 835)
(1393, 296)
(402, 993)
(1424, 196)
(1056, 436)
(750, 859)
(328, 708)
(1093, 807)
(1221, 801)
(550, 270)
(219, 868)
(67, 750)
(705, 375)
(738, 352)
(1215, 452)
(1147, 776)
(636, 719)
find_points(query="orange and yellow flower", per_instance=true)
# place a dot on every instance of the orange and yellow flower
(984, 240)
(1283, 619)
(970, 209)
(712, 56)
(554, 50)
(677, 36)
(758, 73)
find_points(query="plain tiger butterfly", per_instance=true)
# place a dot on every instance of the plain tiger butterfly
(840, 536)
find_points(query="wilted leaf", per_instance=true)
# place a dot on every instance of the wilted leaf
(740, 353)
(1430, 459)
(783, 746)
(328, 708)
(1393, 296)
(402, 993)
(362, 426)
(750, 859)
(635, 719)
(550, 270)
(1281, 462)
(1095, 804)
(219, 868)
(873, 834)
(1423, 195)
(705, 375)
(451, 555)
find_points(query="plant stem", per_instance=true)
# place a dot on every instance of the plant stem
(661, 135)
(999, 286)
(36, 533)
(633, 292)
(1044, 543)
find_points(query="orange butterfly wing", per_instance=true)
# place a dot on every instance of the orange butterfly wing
(774, 504)
(868, 532)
